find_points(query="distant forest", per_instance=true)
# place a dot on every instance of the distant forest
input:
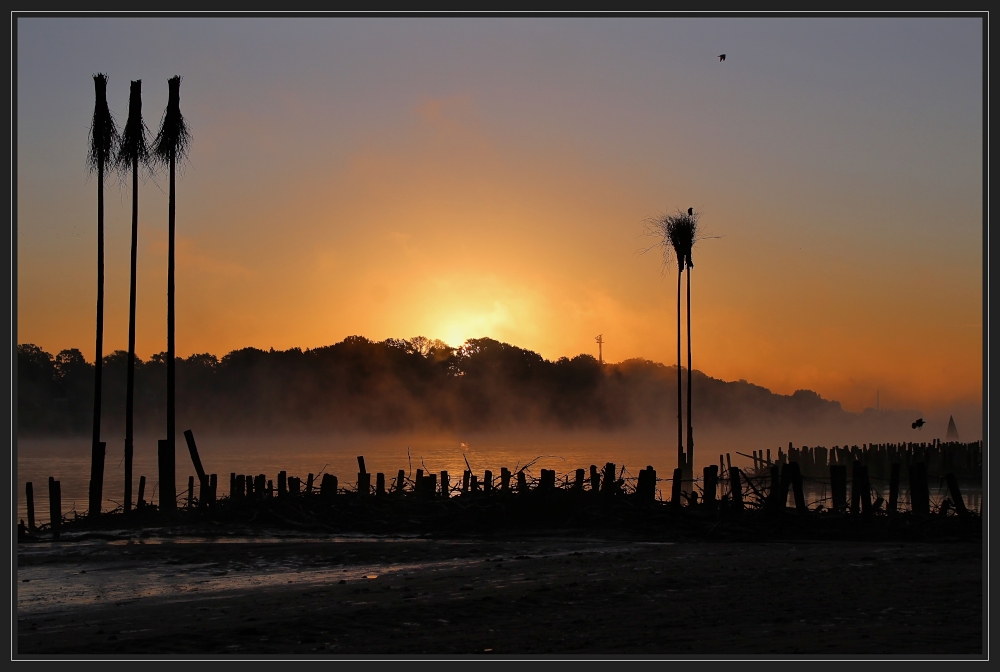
(386, 386)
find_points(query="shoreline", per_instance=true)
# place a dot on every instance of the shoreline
(548, 593)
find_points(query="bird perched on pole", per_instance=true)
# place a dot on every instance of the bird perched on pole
(690, 211)
(918, 424)
(722, 57)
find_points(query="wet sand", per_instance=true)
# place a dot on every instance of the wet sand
(606, 594)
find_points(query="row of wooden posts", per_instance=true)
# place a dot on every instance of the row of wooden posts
(965, 460)
(783, 479)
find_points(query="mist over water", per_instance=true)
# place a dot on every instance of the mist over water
(299, 454)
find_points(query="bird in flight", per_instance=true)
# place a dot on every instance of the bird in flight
(722, 57)
(918, 424)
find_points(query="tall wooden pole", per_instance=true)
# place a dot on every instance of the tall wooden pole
(690, 445)
(680, 414)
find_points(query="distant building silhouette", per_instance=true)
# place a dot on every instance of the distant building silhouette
(952, 433)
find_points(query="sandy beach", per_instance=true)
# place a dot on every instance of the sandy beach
(586, 594)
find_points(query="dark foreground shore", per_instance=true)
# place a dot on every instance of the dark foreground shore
(159, 594)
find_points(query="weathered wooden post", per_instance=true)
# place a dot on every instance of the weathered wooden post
(781, 481)
(595, 479)
(195, 458)
(646, 487)
(309, 484)
(522, 482)
(282, 483)
(866, 490)
(55, 507)
(294, 486)
(203, 491)
(800, 500)
(167, 474)
(956, 494)
(142, 492)
(581, 476)
(922, 500)
(400, 481)
(190, 504)
(98, 452)
(609, 479)
(445, 485)
(364, 478)
(838, 487)
(324, 487)
(379, 484)
(735, 489)
(488, 482)
(893, 489)
(504, 480)
(675, 488)
(29, 494)
(241, 486)
(856, 486)
(710, 480)
(213, 482)
(466, 475)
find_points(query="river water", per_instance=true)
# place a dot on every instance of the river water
(68, 460)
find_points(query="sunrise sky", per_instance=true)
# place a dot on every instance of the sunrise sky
(467, 177)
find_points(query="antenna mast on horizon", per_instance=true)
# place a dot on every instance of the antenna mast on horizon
(600, 348)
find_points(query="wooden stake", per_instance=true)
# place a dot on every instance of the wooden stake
(710, 476)
(838, 486)
(735, 488)
(956, 494)
(55, 507)
(675, 490)
(893, 489)
(193, 450)
(800, 500)
(29, 493)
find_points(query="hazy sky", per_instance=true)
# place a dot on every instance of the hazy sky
(468, 177)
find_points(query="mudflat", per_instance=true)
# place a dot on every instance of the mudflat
(246, 595)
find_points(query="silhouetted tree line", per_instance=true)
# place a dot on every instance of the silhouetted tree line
(390, 385)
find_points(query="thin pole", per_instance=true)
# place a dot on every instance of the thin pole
(168, 491)
(680, 416)
(130, 376)
(96, 459)
(690, 447)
